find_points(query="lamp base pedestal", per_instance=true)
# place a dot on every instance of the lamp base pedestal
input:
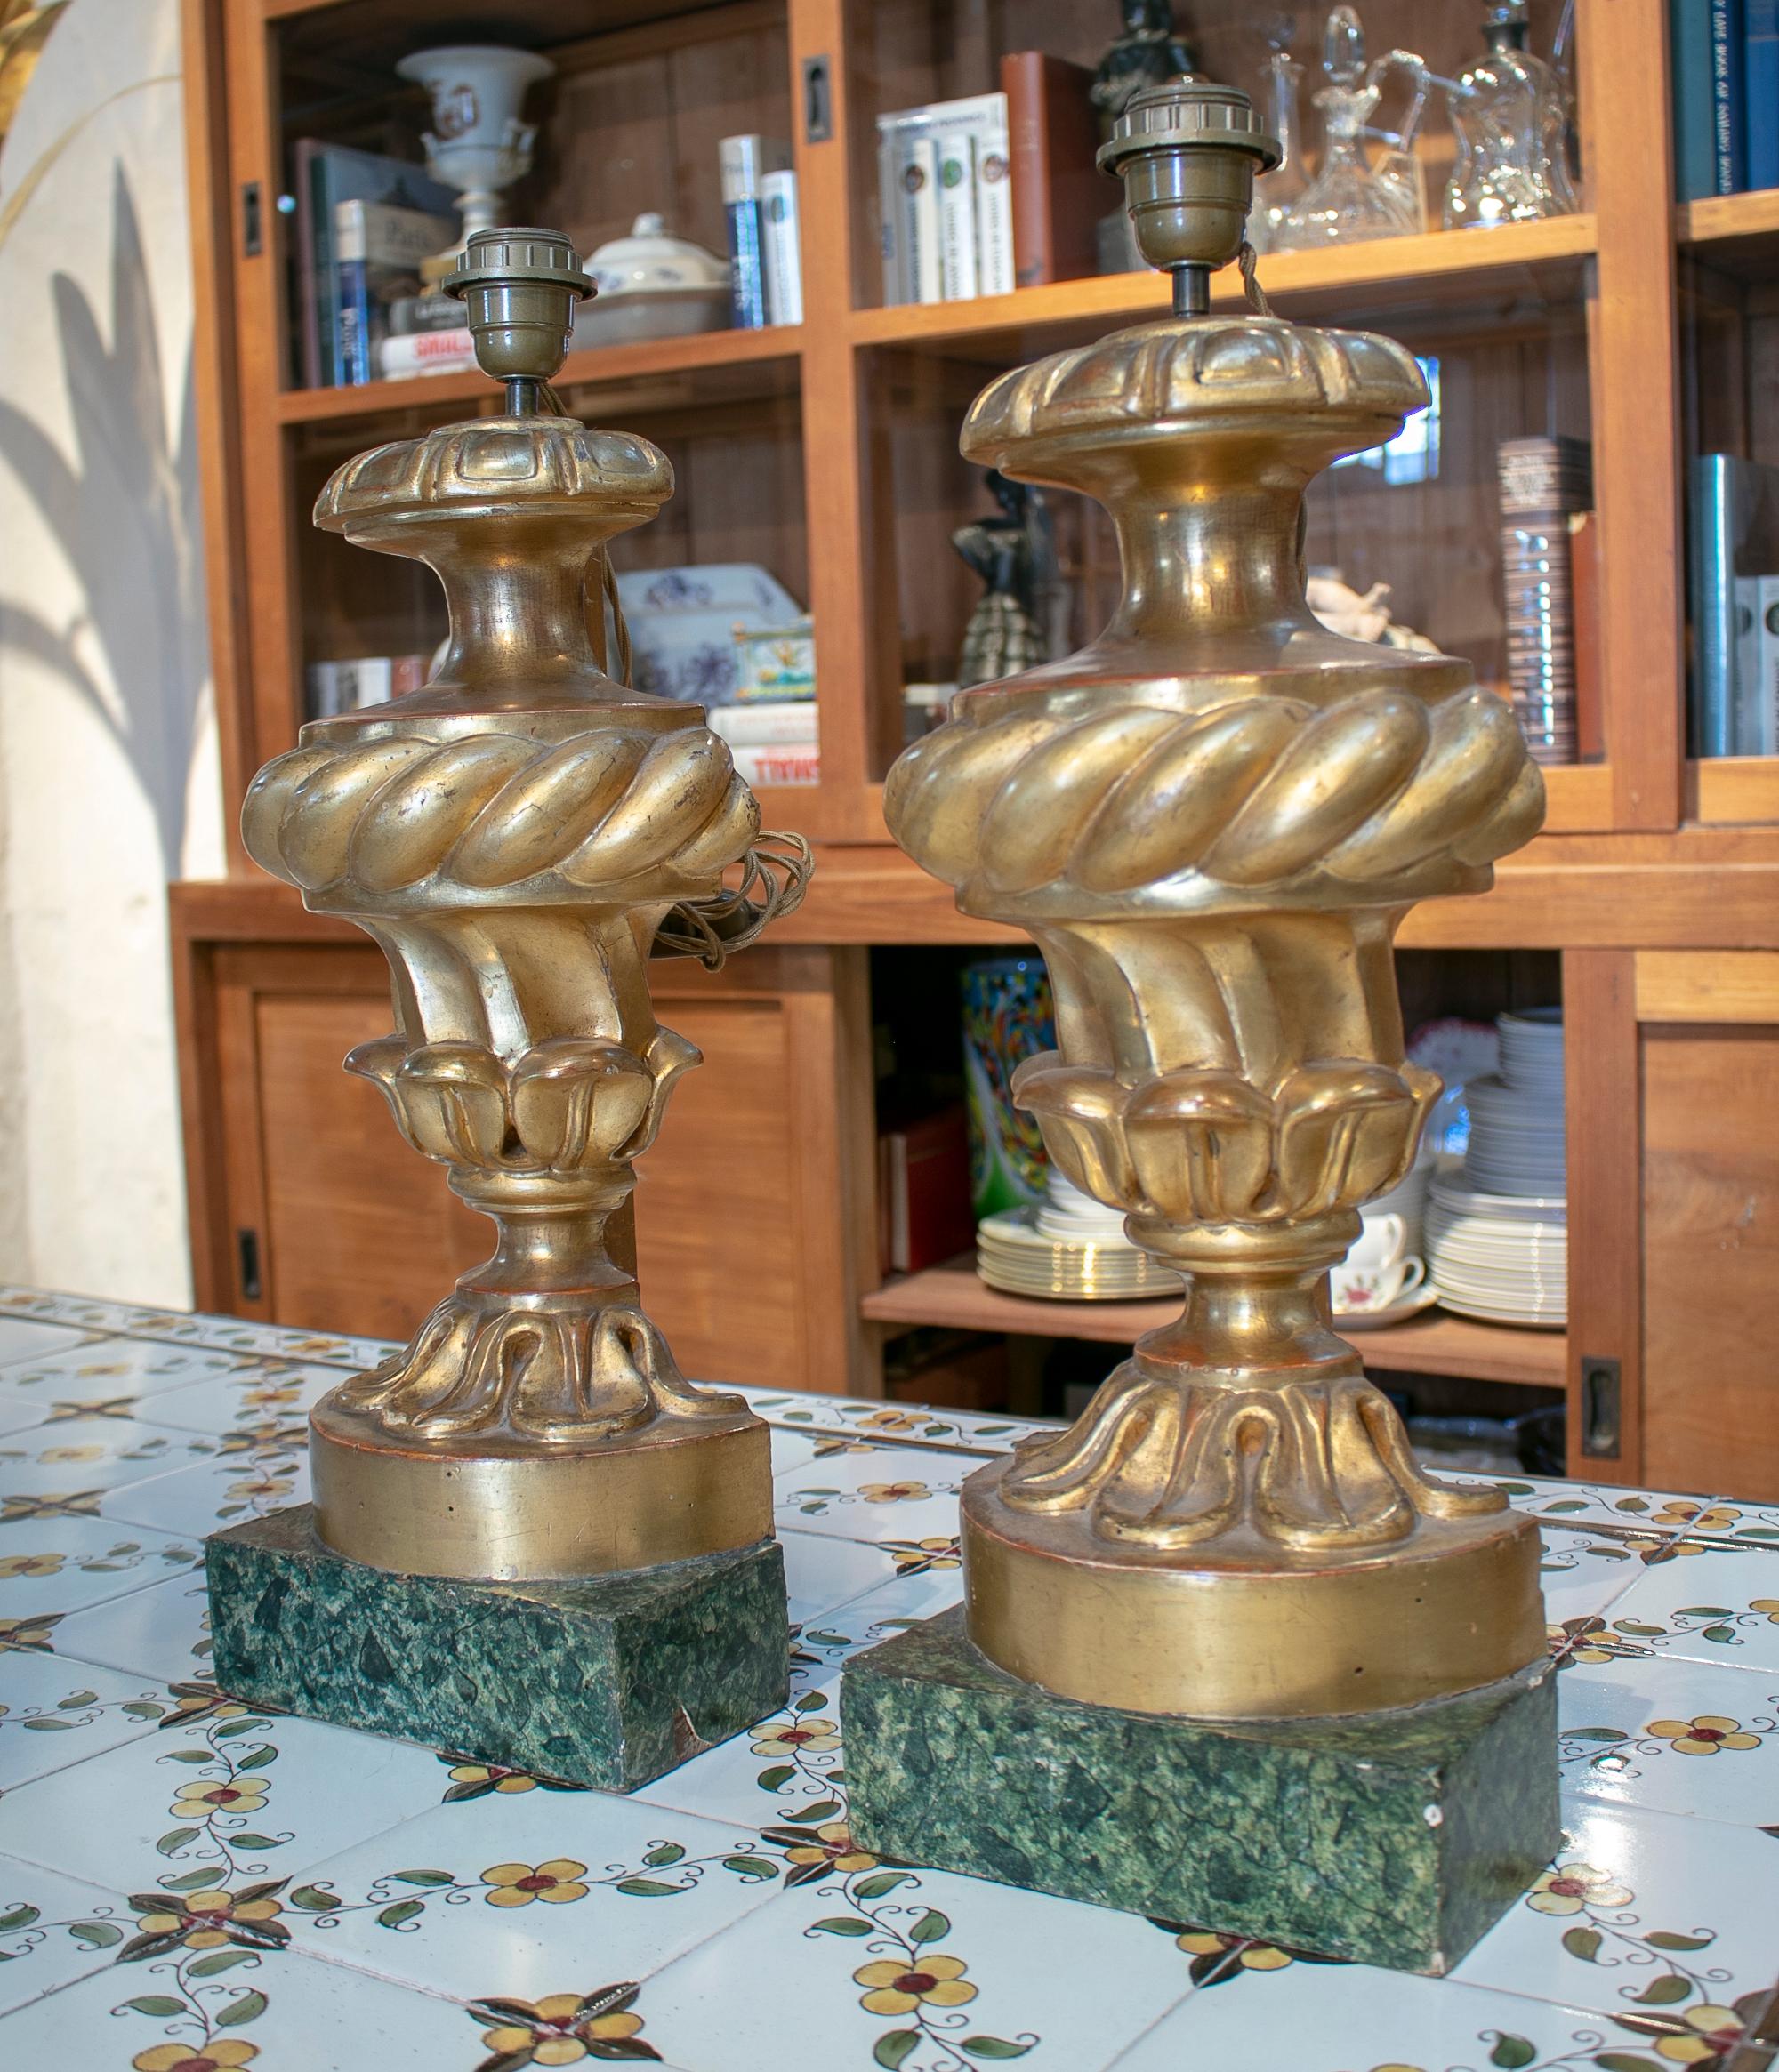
(1394, 1838)
(609, 1681)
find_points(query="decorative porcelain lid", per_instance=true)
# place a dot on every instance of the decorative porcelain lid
(650, 261)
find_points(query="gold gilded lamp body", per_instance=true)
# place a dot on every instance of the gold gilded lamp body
(513, 836)
(1212, 819)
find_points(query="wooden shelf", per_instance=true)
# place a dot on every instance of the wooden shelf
(1733, 233)
(704, 358)
(1734, 790)
(952, 1295)
(1441, 268)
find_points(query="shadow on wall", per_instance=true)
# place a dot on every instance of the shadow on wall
(125, 515)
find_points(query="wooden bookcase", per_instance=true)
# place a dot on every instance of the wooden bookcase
(828, 452)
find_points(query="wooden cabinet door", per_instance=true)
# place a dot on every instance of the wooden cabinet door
(751, 1207)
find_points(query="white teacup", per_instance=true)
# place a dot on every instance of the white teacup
(1355, 1286)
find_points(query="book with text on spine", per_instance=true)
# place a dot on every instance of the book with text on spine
(743, 163)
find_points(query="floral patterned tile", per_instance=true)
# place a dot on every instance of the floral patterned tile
(509, 1892)
(1714, 1601)
(1635, 1919)
(1566, 1503)
(246, 1395)
(52, 1930)
(890, 1492)
(875, 1965)
(902, 1424)
(122, 1320)
(23, 1339)
(163, 1631)
(109, 1378)
(68, 1465)
(791, 1450)
(820, 1573)
(1581, 1573)
(57, 1565)
(237, 2006)
(784, 1773)
(214, 1493)
(53, 1713)
(1351, 2019)
(1673, 1737)
(229, 1796)
(20, 1413)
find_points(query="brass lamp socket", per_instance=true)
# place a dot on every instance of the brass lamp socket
(519, 289)
(1187, 152)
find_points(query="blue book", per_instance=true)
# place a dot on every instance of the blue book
(1729, 142)
(743, 163)
(1760, 91)
(1689, 40)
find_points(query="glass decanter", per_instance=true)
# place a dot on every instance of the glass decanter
(1350, 197)
(1509, 121)
(1278, 192)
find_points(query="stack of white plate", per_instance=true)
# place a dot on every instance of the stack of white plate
(1070, 1247)
(1517, 1124)
(1502, 1257)
(1497, 1227)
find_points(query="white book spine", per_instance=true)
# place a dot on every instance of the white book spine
(778, 765)
(918, 178)
(1765, 705)
(324, 690)
(789, 723)
(889, 212)
(994, 190)
(957, 218)
(782, 248)
(425, 353)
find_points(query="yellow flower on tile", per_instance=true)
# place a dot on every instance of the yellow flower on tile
(41, 1564)
(1703, 1736)
(518, 1884)
(1567, 1887)
(492, 1775)
(1688, 1511)
(893, 1492)
(198, 1801)
(1716, 2032)
(832, 1843)
(1254, 1957)
(802, 1734)
(899, 1988)
(222, 2056)
(890, 1421)
(1769, 1605)
(261, 1486)
(554, 2036)
(58, 1454)
(206, 1918)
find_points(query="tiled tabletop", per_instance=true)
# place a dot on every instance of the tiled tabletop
(187, 1885)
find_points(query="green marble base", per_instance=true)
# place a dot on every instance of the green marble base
(1392, 1838)
(608, 1681)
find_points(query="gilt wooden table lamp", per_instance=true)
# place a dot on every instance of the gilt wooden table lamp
(1226, 1655)
(531, 1538)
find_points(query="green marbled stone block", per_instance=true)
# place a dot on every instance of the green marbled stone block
(1391, 1838)
(608, 1681)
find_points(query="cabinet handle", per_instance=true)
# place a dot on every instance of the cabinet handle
(247, 1255)
(818, 102)
(1600, 1408)
(253, 235)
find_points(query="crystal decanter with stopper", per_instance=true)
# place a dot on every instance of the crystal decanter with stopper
(1351, 197)
(1509, 121)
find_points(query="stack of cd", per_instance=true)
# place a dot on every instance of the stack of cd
(1070, 1249)
(1542, 481)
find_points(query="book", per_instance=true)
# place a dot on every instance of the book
(957, 153)
(1729, 142)
(743, 163)
(785, 723)
(1762, 707)
(1584, 613)
(1760, 91)
(773, 763)
(377, 250)
(923, 1193)
(327, 174)
(1733, 508)
(408, 353)
(889, 211)
(335, 687)
(917, 181)
(993, 204)
(781, 247)
(1054, 188)
(1689, 42)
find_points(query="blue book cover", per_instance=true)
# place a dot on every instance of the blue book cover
(1760, 91)
(1689, 37)
(746, 272)
(1726, 114)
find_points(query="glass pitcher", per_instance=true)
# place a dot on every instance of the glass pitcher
(1510, 118)
(1277, 193)
(1351, 196)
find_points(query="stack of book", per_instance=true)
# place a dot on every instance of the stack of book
(1724, 81)
(1543, 481)
(765, 252)
(945, 201)
(367, 679)
(773, 741)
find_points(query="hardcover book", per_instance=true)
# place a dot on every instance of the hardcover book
(1057, 193)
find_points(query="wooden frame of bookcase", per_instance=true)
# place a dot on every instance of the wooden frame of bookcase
(1643, 851)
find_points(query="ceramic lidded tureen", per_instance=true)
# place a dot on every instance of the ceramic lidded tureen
(653, 286)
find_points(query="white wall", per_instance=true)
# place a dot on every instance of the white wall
(108, 781)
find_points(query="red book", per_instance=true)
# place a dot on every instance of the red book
(1584, 593)
(1059, 193)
